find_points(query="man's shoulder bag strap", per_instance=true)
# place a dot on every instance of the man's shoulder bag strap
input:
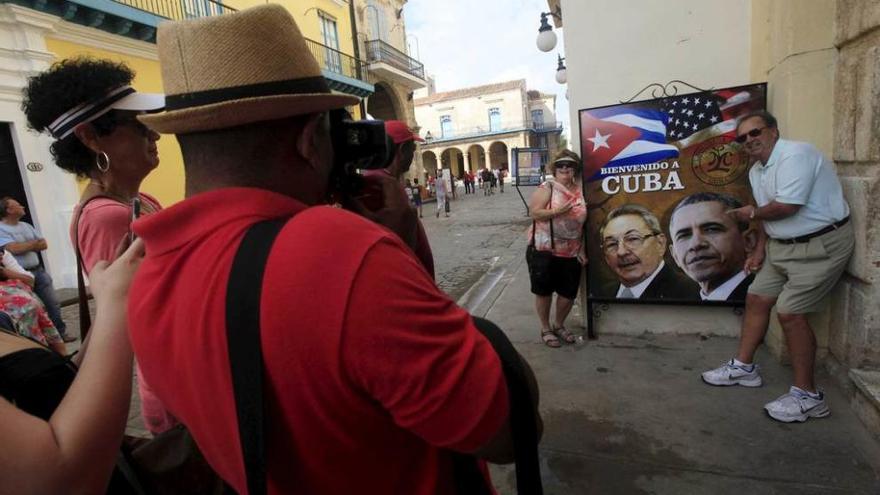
(243, 341)
(523, 426)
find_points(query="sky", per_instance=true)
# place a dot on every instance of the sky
(473, 42)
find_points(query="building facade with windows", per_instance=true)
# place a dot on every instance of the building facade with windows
(395, 74)
(470, 129)
(34, 34)
(821, 61)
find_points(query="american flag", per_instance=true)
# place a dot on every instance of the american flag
(691, 113)
(696, 117)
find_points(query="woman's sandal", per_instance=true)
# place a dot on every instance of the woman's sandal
(550, 339)
(565, 335)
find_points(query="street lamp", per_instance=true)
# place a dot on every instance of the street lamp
(561, 72)
(546, 37)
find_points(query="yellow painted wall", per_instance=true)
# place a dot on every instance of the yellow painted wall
(305, 13)
(167, 181)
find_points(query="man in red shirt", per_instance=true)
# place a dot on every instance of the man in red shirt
(404, 149)
(372, 376)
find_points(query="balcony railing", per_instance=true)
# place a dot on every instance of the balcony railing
(546, 126)
(333, 60)
(380, 51)
(179, 9)
(471, 132)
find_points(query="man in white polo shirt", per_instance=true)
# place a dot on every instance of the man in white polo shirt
(804, 214)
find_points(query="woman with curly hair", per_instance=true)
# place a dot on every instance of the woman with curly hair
(556, 252)
(90, 108)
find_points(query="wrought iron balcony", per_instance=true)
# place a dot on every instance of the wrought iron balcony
(179, 9)
(336, 62)
(136, 19)
(489, 130)
(380, 52)
(546, 126)
(343, 72)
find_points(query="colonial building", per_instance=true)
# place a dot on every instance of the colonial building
(820, 60)
(381, 42)
(34, 34)
(470, 129)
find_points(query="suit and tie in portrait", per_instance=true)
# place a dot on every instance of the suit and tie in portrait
(633, 247)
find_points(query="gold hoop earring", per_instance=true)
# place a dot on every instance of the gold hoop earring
(102, 161)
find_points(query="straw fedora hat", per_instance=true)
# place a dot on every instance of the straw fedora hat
(236, 69)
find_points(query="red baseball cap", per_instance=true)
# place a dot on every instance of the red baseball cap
(400, 133)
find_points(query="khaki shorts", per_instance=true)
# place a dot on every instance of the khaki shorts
(801, 275)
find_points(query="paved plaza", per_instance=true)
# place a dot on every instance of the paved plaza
(629, 415)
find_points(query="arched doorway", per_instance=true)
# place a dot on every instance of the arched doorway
(453, 159)
(477, 157)
(429, 160)
(383, 104)
(498, 155)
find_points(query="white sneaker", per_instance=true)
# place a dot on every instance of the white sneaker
(797, 405)
(731, 374)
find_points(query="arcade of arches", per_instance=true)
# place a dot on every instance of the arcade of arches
(467, 157)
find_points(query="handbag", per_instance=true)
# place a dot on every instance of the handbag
(539, 261)
(168, 464)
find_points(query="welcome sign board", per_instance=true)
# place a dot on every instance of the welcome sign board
(659, 177)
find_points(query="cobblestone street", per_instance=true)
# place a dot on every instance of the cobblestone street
(478, 231)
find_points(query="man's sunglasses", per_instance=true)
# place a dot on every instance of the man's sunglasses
(753, 133)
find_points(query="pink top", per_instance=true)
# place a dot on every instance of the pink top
(568, 228)
(103, 224)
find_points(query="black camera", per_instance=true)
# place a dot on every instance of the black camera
(357, 145)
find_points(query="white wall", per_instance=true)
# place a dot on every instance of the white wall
(52, 193)
(614, 49)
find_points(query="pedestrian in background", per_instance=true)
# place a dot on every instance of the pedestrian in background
(417, 196)
(556, 254)
(442, 198)
(25, 243)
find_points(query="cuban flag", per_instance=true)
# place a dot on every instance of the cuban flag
(616, 136)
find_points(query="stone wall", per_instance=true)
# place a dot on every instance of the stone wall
(855, 335)
(792, 48)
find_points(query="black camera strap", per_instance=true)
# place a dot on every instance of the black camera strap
(243, 294)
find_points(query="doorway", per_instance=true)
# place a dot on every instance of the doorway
(11, 183)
